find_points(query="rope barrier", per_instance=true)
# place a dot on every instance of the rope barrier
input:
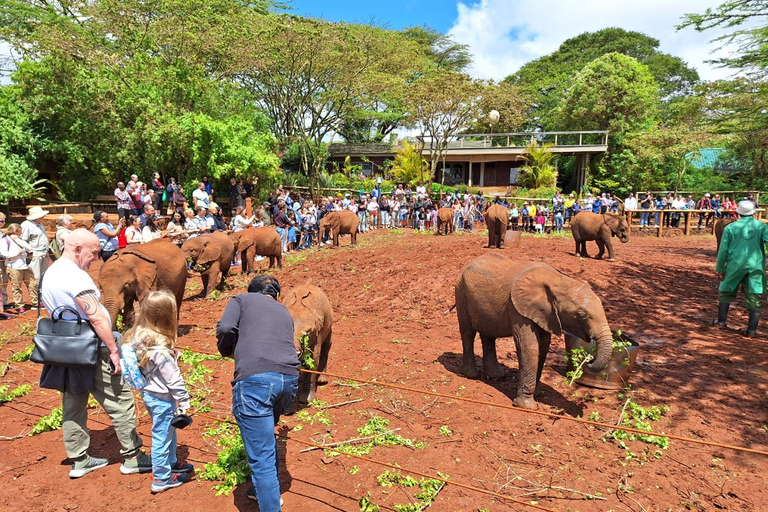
(528, 411)
(513, 408)
(396, 467)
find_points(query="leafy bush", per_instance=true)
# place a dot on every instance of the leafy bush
(48, 422)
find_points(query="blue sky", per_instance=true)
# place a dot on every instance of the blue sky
(396, 14)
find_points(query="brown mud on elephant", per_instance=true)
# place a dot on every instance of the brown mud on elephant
(264, 241)
(312, 318)
(719, 228)
(588, 226)
(210, 254)
(340, 223)
(445, 221)
(132, 273)
(501, 298)
(496, 219)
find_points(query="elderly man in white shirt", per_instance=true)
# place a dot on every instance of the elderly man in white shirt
(630, 203)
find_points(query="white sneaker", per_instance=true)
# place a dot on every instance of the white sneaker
(259, 258)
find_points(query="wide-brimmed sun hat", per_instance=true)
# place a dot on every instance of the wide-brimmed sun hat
(37, 212)
(746, 208)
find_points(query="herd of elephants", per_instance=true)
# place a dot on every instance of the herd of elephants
(495, 296)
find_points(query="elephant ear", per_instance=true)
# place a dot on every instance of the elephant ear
(210, 253)
(534, 298)
(612, 221)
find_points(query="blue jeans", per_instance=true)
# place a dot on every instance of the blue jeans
(558, 222)
(363, 225)
(163, 435)
(645, 216)
(257, 403)
(283, 235)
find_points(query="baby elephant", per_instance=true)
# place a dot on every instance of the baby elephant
(312, 317)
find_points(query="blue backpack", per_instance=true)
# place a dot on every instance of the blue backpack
(129, 364)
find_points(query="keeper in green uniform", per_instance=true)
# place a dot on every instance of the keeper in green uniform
(741, 263)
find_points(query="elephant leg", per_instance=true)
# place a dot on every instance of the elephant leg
(302, 396)
(527, 348)
(322, 364)
(493, 370)
(600, 248)
(206, 278)
(468, 367)
(609, 245)
(271, 262)
(279, 261)
(545, 339)
(354, 237)
(577, 252)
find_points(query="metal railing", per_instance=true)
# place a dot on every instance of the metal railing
(523, 139)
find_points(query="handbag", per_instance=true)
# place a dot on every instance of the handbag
(60, 342)
(29, 257)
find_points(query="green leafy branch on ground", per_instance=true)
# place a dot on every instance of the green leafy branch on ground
(7, 396)
(635, 416)
(429, 488)
(231, 467)
(23, 355)
(197, 377)
(375, 429)
(48, 422)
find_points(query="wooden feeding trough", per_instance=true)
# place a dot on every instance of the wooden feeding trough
(616, 374)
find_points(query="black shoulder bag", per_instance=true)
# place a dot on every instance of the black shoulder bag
(60, 342)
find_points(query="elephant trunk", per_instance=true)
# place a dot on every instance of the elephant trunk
(604, 341)
(113, 309)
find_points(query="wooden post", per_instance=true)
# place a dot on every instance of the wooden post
(629, 222)
(661, 224)
(688, 216)
(248, 210)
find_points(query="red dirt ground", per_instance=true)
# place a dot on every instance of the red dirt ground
(389, 294)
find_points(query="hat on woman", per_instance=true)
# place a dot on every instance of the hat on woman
(746, 208)
(37, 212)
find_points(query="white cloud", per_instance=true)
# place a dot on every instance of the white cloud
(503, 35)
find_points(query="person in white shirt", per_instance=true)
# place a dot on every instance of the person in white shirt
(33, 232)
(239, 223)
(14, 251)
(421, 190)
(133, 231)
(201, 196)
(630, 203)
(67, 284)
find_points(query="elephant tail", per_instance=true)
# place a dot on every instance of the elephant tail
(449, 310)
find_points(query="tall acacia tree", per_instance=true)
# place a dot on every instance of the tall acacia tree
(443, 103)
(311, 75)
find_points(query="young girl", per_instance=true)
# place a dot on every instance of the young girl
(540, 222)
(153, 338)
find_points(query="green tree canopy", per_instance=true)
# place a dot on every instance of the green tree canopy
(616, 93)
(548, 78)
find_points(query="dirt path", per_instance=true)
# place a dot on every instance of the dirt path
(389, 294)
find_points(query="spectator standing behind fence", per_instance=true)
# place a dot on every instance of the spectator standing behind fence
(236, 195)
(158, 188)
(705, 204)
(33, 232)
(741, 264)
(67, 284)
(4, 273)
(200, 196)
(174, 230)
(63, 229)
(106, 233)
(153, 338)
(14, 252)
(257, 331)
(558, 211)
(124, 203)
